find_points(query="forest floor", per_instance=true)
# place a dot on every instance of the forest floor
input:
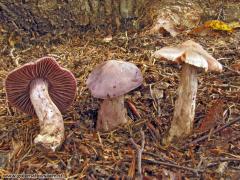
(88, 154)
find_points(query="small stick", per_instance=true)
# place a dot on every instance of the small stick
(227, 159)
(213, 132)
(232, 70)
(172, 165)
(139, 153)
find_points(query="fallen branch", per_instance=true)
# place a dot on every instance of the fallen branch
(139, 153)
(213, 132)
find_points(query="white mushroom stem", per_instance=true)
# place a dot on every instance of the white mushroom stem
(112, 114)
(50, 119)
(184, 111)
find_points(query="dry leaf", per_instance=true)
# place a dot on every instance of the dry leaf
(234, 25)
(201, 31)
(83, 149)
(236, 66)
(215, 113)
(218, 25)
(206, 28)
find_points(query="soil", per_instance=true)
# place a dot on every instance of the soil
(88, 154)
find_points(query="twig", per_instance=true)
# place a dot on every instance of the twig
(158, 156)
(232, 70)
(219, 160)
(214, 132)
(224, 85)
(196, 171)
(220, 59)
(139, 153)
(222, 159)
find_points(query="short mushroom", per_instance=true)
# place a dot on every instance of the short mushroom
(44, 89)
(110, 81)
(192, 56)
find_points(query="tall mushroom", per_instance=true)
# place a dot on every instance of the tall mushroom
(192, 56)
(45, 89)
(110, 81)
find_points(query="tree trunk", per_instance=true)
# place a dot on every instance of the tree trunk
(44, 16)
(41, 17)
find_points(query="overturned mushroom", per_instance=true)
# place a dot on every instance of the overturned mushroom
(45, 89)
(192, 56)
(110, 81)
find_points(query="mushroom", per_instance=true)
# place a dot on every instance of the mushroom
(192, 56)
(44, 89)
(110, 81)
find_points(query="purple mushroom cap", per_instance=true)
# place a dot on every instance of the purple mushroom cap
(61, 84)
(114, 78)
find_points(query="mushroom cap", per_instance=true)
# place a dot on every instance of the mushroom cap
(113, 78)
(61, 84)
(191, 53)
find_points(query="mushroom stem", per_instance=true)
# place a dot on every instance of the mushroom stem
(183, 118)
(112, 113)
(50, 119)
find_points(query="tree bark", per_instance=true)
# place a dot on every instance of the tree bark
(48, 16)
(44, 16)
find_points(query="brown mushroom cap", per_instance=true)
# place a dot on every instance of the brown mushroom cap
(61, 84)
(114, 78)
(192, 53)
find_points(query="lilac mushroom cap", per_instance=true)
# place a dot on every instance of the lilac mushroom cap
(61, 84)
(114, 78)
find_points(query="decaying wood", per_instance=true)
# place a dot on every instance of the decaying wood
(50, 119)
(112, 114)
(184, 110)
